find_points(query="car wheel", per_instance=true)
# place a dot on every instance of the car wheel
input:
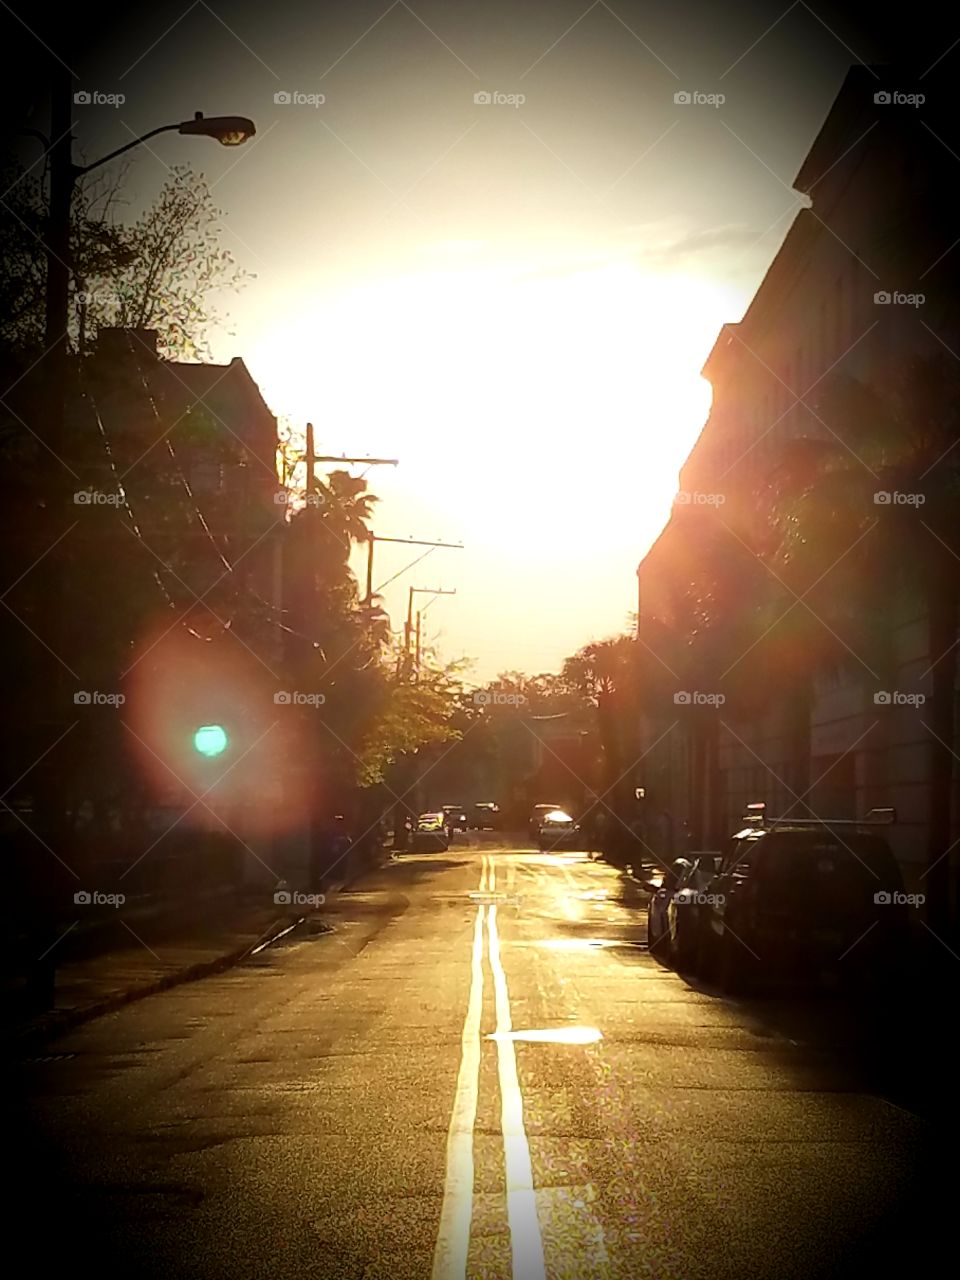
(657, 943)
(706, 965)
(683, 950)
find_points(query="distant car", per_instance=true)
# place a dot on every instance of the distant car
(537, 815)
(456, 817)
(792, 901)
(558, 832)
(430, 834)
(485, 816)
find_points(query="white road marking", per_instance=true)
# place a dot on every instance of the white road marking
(525, 1239)
(456, 1216)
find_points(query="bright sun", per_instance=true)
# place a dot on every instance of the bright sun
(541, 416)
(525, 378)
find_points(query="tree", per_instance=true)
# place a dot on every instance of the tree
(604, 672)
(158, 272)
(99, 248)
(175, 262)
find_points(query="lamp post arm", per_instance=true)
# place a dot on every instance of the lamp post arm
(85, 168)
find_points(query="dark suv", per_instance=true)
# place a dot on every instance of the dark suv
(791, 901)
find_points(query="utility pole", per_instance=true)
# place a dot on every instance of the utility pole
(311, 465)
(408, 630)
(311, 458)
(56, 369)
(408, 542)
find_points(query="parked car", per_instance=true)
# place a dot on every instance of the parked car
(430, 834)
(537, 815)
(456, 818)
(558, 831)
(686, 906)
(661, 886)
(794, 899)
(485, 816)
(678, 895)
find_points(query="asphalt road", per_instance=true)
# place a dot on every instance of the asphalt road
(481, 1073)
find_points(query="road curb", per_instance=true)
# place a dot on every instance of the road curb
(53, 1024)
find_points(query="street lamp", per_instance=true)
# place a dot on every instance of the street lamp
(230, 131)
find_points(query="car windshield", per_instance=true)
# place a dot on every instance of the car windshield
(558, 817)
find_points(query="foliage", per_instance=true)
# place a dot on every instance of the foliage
(160, 271)
(175, 264)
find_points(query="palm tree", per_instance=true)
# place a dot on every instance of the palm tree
(869, 519)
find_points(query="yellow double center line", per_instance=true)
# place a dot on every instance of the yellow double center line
(453, 1240)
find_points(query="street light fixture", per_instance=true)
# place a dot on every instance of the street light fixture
(230, 131)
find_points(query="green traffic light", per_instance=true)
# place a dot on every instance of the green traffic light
(210, 740)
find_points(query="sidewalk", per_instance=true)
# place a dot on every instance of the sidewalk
(156, 955)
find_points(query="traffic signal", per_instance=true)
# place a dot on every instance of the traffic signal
(210, 740)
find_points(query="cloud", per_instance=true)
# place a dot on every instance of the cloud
(652, 247)
(678, 250)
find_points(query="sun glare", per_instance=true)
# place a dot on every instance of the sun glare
(503, 372)
(542, 410)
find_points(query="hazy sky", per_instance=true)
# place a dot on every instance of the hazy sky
(513, 297)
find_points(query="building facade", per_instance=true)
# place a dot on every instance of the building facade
(865, 280)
